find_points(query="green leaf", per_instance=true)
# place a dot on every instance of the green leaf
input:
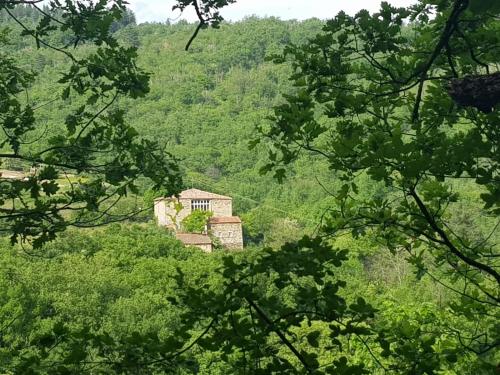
(312, 339)
(483, 6)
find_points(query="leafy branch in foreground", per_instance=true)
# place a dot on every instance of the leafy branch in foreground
(372, 99)
(94, 158)
(264, 311)
(207, 11)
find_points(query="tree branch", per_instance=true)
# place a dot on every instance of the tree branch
(446, 241)
(201, 24)
(280, 334)
(459, 7)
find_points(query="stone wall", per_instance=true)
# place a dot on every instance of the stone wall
(160, 213)
(229, 234)
(165, 212)
(221, 207)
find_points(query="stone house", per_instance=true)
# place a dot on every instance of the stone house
(225, 227)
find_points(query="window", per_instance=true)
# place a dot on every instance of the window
(200, 204)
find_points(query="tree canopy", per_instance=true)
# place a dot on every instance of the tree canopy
(376, 96)
(86, 164)
(387, 163)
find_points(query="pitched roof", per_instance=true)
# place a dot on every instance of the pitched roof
(197, 194)
(200, 194)
(225, 220)
(194, 239)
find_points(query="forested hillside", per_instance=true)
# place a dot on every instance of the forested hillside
(205, 105)
(348, 298)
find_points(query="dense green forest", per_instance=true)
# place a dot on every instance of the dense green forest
(127, 298)
(204, 106)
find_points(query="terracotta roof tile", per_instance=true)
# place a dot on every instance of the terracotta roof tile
(225, 220)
